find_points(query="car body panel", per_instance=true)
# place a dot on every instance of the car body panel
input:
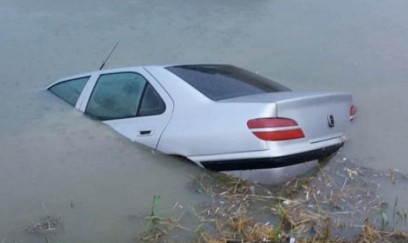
(196, 131)
(215, 133)
(289, 149)
(252, 163)
(312, 111)
(146, 130)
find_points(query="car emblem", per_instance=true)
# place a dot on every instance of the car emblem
(330, 120)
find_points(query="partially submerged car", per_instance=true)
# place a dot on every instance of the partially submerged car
(220, 117)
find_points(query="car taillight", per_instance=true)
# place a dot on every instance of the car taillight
(353, 111)
(275, 129)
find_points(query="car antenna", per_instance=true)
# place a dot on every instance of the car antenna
(107, 58)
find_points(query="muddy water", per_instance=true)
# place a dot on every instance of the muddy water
(51, 155)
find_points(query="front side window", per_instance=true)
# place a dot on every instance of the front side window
(69, 90)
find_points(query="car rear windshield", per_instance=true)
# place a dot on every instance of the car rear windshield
(219, 82)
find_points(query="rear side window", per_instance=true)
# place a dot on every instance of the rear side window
(69, 90)
(219, 82)
(151, 103)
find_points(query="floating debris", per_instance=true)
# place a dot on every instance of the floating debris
(47, 225)
(337, 203)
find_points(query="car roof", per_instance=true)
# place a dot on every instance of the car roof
(178, 90)
(199, 81)
(119, 69)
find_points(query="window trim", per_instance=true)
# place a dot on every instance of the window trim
(139, 105)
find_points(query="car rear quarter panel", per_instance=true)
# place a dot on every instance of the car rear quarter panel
(214, 128)
(200, 126)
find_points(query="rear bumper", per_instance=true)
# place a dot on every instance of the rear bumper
(270, 162)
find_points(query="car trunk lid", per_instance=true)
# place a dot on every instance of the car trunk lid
(321, 116)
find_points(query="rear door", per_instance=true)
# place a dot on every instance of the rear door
(132, 103)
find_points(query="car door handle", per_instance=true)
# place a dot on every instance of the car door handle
(145, 132)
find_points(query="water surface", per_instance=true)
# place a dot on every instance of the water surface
(54, 156)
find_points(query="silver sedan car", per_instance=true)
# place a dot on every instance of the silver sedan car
(221, 117)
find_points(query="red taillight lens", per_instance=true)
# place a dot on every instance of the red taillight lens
(353, 112)
(275, 129)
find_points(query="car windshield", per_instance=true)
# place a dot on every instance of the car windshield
(219, 82)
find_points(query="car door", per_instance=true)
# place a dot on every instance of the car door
(131, 102)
